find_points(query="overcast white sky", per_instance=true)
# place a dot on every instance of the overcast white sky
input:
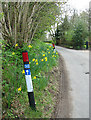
(79, 4)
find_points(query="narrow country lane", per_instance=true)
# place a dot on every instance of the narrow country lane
(77, 66)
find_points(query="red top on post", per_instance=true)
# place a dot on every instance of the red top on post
(53, 44)
(25, 56)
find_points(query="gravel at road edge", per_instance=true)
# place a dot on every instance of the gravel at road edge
(63, 105)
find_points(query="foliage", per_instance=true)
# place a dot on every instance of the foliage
(42, 58)
(78, 39)
(1, 15)
(61, 30)
(69, 36)
(24, 22)
(73, 31)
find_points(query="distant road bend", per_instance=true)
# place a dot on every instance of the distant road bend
(77, 66)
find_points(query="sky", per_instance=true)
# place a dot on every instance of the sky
(80, 5)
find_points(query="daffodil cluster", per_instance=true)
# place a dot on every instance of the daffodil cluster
(35, 60)
(30, 46)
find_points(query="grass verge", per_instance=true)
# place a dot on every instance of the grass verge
(42, 60)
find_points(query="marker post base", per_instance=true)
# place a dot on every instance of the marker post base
(31, 100)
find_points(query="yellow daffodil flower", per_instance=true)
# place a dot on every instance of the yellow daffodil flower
(43, 54)
(16, 45)
(23, 72)
(36, 60)
(30, 46)
(13, 53)
(33, 59)
(49, 52)
(37, 63)
(34, 77)
(29, 62)
(42, 60)
(47, 49)
(53, 56)
(45, 58)
(19, 89)
(50, 46)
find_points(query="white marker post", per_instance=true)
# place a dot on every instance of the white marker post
(28, 79)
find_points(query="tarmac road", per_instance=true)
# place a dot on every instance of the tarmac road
(77, 66)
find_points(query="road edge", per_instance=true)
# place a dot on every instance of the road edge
(63, 107)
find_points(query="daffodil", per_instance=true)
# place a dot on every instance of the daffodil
(29, 62)
(53, 56)
(34, 77)
(19, 89)
(36, 60)
(47, 49)
(33, 59)
(49, 52)
(42, 60)
(30, 46)
(37, 63)
(43, 54)
(23, 72)
(50, 46)
(13, 53)
(16, 45)
(45, 58)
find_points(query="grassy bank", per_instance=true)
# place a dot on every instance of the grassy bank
(14, 94)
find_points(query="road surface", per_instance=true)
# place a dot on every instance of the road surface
(77, 66)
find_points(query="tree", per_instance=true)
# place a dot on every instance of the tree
(78, 38)
(80, 27)
(23, 22)
(73, 30)
(61, 31)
